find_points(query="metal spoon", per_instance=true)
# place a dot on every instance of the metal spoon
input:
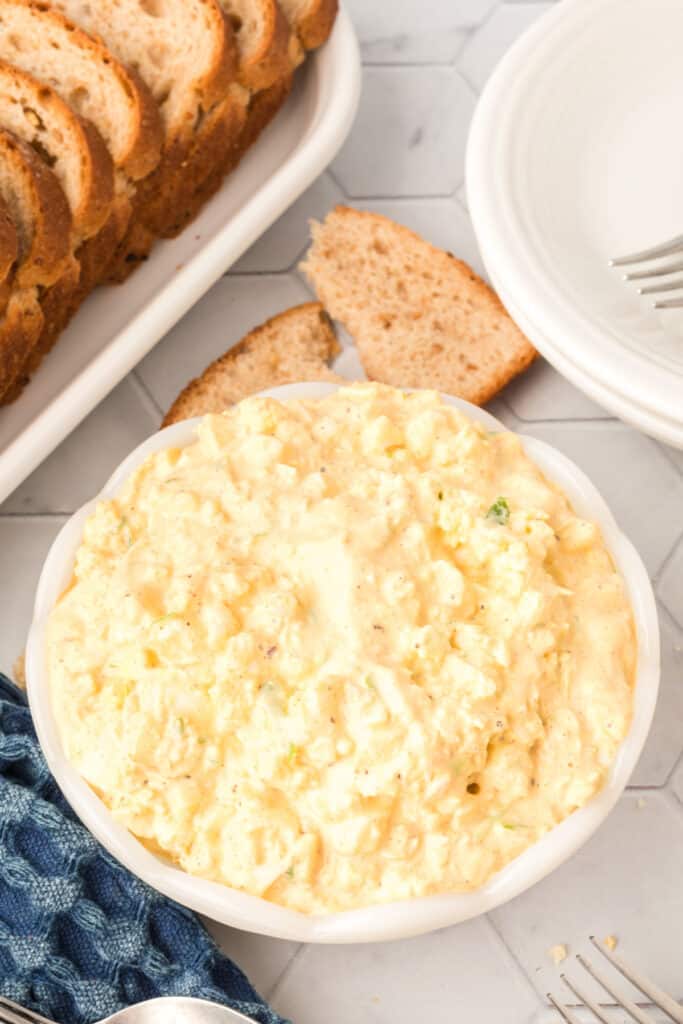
(152, 1011)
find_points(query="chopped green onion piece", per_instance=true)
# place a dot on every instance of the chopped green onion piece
(499, 512)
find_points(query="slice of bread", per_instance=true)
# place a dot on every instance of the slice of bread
(21, 328)
(312, 20)
(74, 150)
(420, 317)
(70, 146)
(185, 51)
(45, 257)
(99, 88)
(40, 212)
(268, 53)
(42, 41)
(9, 250)
(267, 49)
(296, 345)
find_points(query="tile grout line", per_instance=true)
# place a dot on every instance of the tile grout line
(513, 956)
(32, 516)
(145, 394)
(668, 559)
(274, 989)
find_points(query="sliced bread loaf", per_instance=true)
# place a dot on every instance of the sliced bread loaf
(184, 50)
(74, 150)
(296, 345)
(312, 20)
(420, 317)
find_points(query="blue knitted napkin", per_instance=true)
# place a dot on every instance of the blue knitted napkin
(80, 937)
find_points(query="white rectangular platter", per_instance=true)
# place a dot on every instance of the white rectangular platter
(118, 325)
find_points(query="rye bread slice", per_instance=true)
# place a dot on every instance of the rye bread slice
(296, 345)
(420, 317)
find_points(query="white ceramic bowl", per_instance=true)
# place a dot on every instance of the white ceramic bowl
(571, 160)
(387, 921)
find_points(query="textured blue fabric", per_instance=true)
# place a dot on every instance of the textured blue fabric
(80, 937)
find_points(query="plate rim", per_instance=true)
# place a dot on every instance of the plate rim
(512, 259)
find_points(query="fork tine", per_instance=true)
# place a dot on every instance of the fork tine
(640, 275)
(586, 1000)
(669, 304)
(20, 1012)
(622, 1001)
(653, 992)
(564, 1011)
(9, 1017)
(663, 286)
(665, 249)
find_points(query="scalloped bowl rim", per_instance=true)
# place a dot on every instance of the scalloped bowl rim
(383, 921)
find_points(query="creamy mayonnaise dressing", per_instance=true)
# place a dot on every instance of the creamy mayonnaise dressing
(343, 651)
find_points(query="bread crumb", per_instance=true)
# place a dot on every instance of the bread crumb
(642, 802)
(19, 671)
(557, 953)
(611, 941)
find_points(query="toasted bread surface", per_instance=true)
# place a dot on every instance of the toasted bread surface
(420, 317)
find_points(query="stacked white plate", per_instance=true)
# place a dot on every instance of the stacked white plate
(576, 156)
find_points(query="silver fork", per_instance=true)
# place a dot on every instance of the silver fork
(176, 1010)
(672, 248)
(653, 993)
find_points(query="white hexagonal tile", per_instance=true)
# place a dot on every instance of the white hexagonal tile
(443, 222)
(227, 312)
(286, 240)
(490, 42)
(541, 393)
(670, 586)
(639, 484)
(407, 35)
(439, 977)
(24, 543)
(624, 882)
(410, 134)
(665, 743)
(77, 469)
(675, 454)
(262, 959)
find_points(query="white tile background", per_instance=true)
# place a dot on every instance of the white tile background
(425, 63)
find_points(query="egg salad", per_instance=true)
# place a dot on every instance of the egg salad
(343, 651)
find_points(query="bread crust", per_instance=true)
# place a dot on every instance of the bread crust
(20, 329)
(315, 26)
(9, 247)
(48, 252)
(272, 58)
(202, 394)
